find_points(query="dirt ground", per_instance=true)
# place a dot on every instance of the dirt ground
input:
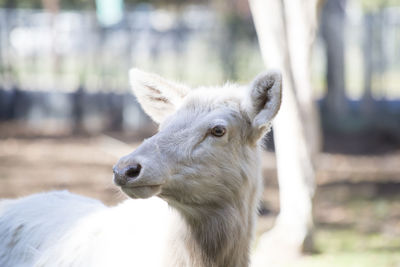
(360, 193)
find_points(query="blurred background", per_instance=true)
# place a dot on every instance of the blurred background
(67, 112)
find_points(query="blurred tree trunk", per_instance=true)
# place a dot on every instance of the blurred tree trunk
(78, 109)
(10, 4)
(368, 70)
(286, 30)
(375, 60)
(232, 31)
(5, 62)
(333, 22)
(53, 7)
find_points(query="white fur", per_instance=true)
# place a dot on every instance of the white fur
(207, 188)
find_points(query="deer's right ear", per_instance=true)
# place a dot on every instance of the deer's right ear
(264, 101)
(158, 97)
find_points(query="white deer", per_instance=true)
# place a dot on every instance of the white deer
(204, 167)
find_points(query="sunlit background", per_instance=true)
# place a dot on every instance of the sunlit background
(67, 112)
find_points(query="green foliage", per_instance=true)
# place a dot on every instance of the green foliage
(37, 4)
(352, 249)
(20, 3)
(77, 4)
(372, 5)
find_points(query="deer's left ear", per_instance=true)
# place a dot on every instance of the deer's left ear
(264, 101)
(158, 97)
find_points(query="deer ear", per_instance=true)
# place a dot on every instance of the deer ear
(264, 101)
(158, 97)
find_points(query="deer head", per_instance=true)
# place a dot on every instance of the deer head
(205, 149)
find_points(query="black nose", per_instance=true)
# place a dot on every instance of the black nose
(133, 171)
(121, 177)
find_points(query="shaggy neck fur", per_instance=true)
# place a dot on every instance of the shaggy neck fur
(218, 234)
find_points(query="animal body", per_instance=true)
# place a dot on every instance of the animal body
(194, 185)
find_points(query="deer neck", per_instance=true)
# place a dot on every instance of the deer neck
(219, 234)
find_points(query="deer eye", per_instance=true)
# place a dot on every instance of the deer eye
(218, 131)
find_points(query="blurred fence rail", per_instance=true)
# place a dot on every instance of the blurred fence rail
(27, 113)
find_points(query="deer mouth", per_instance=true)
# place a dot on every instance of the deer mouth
(141, 191)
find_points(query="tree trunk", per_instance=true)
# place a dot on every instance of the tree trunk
(53, 7)
(367, 99)
(332, 29)
(286, 30)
